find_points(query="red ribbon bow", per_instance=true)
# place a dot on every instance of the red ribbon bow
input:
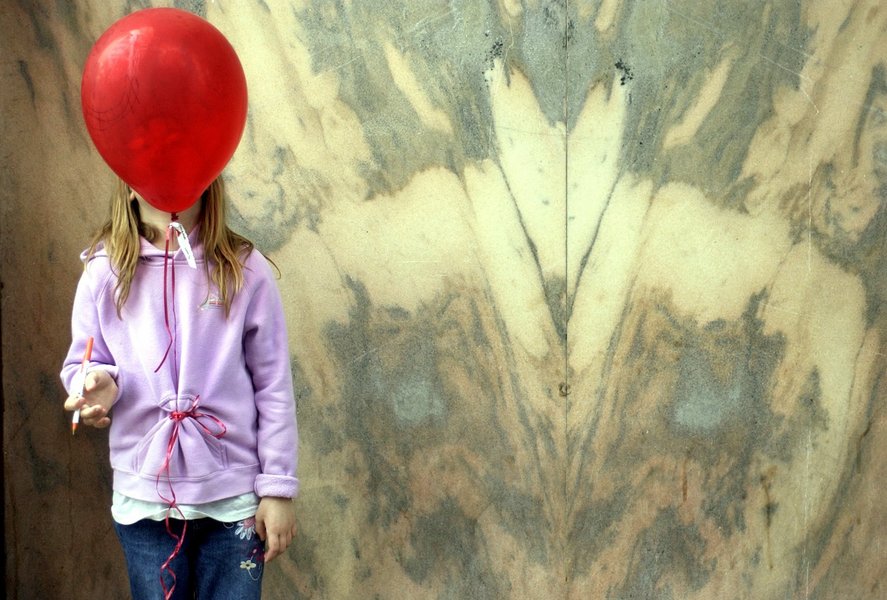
(177, 417)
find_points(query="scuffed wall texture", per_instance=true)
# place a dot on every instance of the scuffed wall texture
(586, 297)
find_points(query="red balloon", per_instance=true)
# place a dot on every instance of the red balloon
(164, 99)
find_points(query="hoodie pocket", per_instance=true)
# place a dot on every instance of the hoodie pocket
(183, 446)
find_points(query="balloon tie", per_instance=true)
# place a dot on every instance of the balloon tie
(177, 417)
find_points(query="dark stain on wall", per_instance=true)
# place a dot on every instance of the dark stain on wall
(689, 397)
(424, 388)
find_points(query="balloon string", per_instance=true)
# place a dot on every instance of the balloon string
(166, 567)
(166, 262)
(177, 417)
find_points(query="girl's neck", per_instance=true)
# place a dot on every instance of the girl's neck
(159, 220)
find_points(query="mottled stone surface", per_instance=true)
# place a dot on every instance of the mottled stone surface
(586, 299)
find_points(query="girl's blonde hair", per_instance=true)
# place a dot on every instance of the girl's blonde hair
(222, 247)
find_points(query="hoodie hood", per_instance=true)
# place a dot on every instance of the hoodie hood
(151, 254)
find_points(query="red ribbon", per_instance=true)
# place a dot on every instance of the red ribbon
(177, 416)
(166, 260)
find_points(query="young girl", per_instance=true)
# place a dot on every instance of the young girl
(190, 368)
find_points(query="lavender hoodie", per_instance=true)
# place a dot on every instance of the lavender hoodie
(226, 384)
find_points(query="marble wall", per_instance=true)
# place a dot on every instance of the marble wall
(586, 297)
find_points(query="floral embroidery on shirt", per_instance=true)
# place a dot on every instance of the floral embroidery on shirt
(246, 529)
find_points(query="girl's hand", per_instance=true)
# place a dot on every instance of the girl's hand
(99, 393)
(276, 525)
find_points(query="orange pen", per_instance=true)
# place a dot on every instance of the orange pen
(80, 380)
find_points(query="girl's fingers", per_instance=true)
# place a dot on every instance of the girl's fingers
(276, 544)
(95, 416)
(92, 412)
(97, 423)
(273, 548)
(92, 380)
(73, 402)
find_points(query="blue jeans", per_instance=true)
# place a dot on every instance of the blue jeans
(217, 561)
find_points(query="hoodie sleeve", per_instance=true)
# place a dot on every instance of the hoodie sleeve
(266, 350)
(85, 322)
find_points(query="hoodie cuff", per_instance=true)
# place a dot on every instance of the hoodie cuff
(278, 486)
